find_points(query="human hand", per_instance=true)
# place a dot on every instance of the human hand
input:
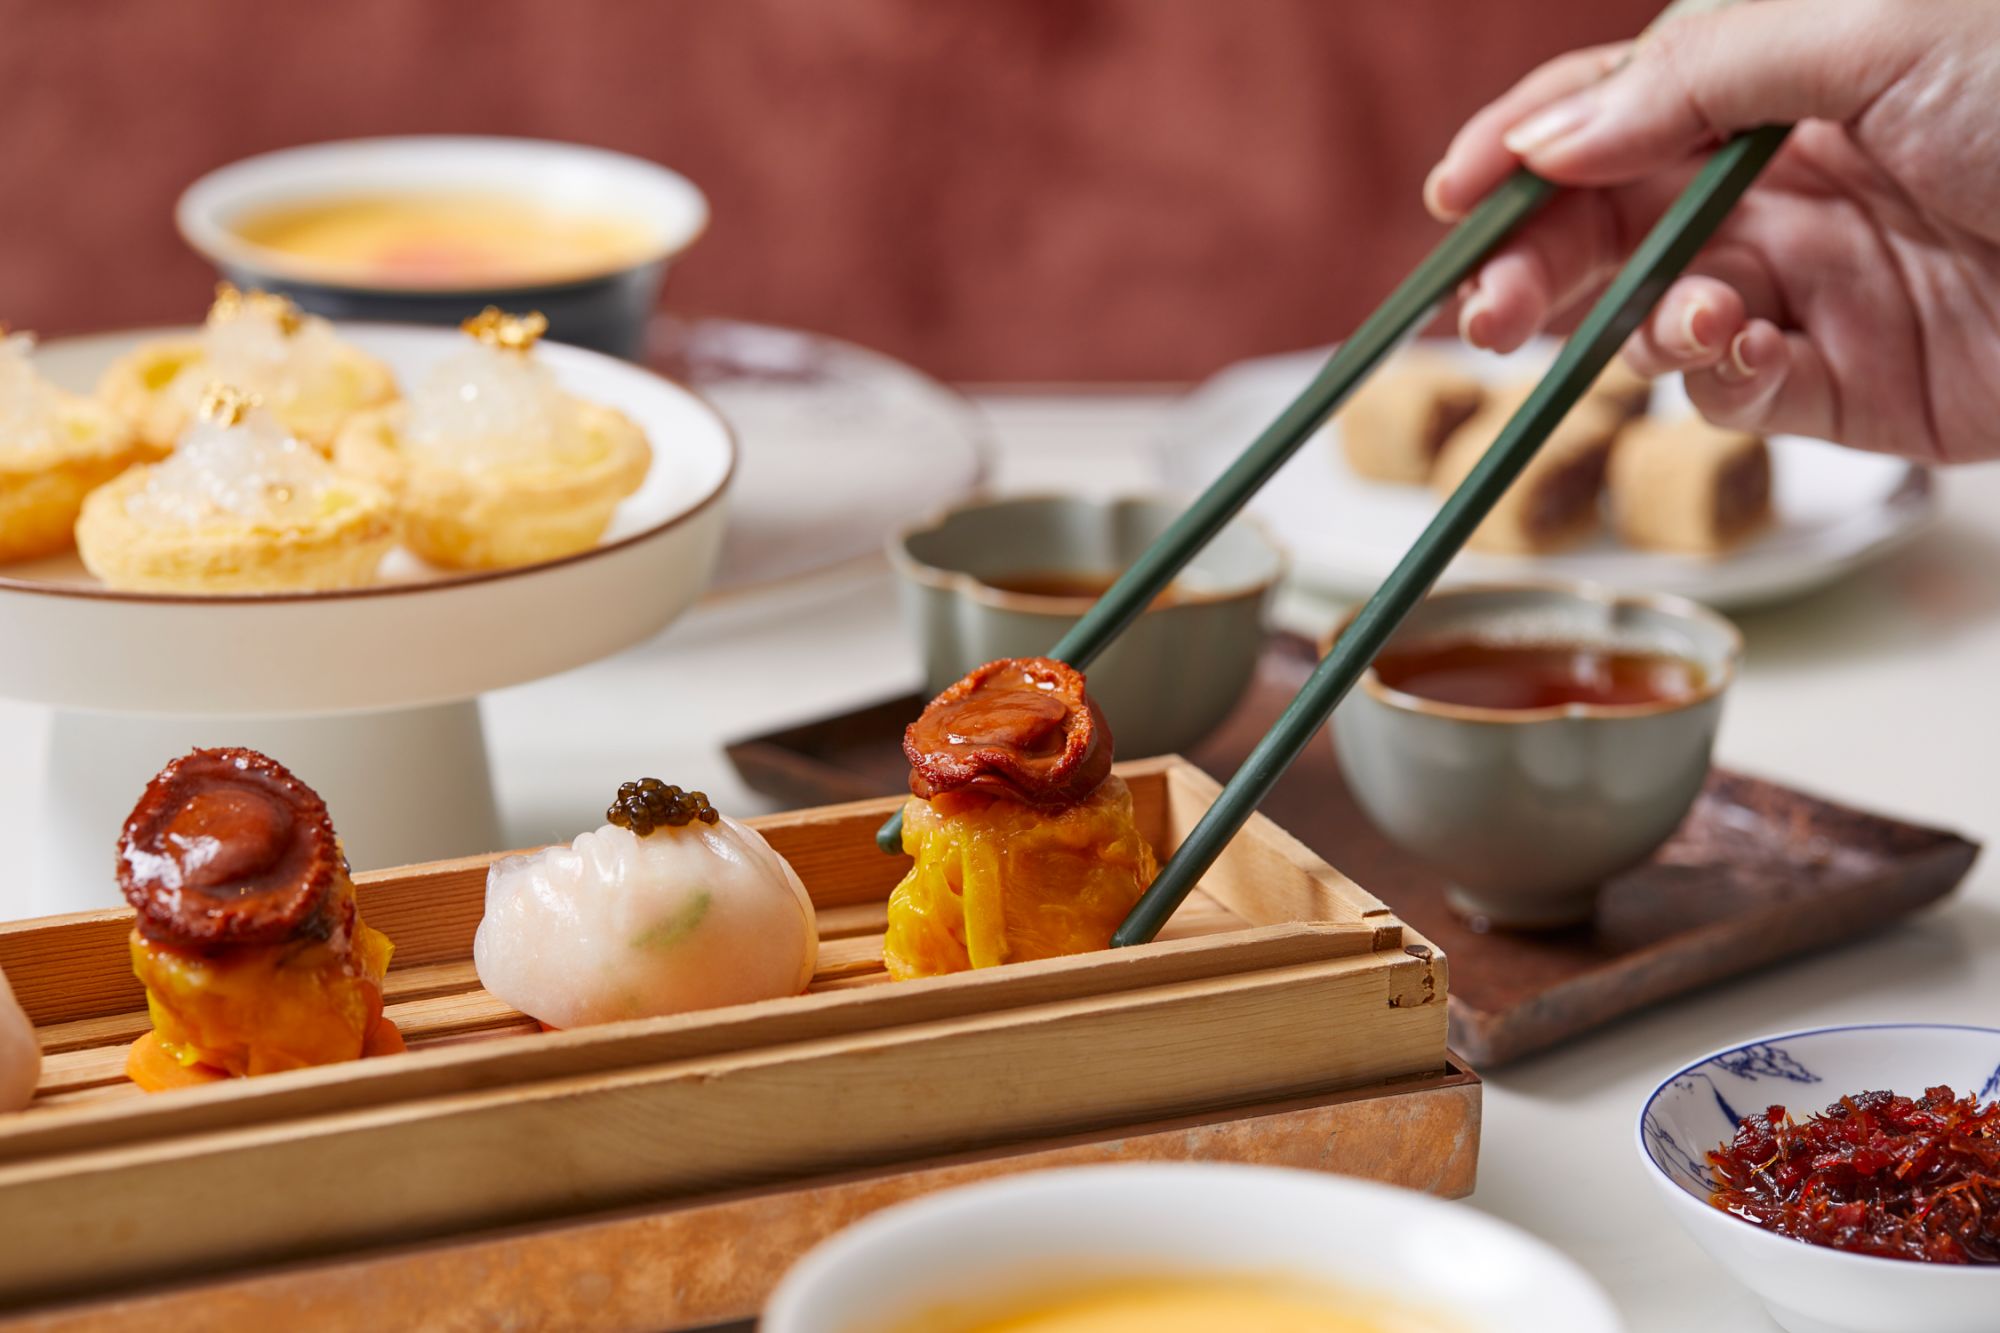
(1854, 294)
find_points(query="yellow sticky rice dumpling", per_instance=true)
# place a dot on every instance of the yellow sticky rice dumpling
(1023, 842)
(996, 881)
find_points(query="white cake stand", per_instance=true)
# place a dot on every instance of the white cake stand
(369, 695)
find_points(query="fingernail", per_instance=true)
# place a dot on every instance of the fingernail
(1473, 319)
(1432, 199)
(1549, 124)
(1737, 368)
(1691, 322)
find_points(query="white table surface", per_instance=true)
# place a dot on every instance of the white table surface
(1883, 692)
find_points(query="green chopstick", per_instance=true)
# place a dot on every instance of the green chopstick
(1407, 307)
(1673, 241)
(1454, 258)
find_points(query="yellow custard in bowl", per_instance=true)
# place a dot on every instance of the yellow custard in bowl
(1206, 1304)
(445, 240)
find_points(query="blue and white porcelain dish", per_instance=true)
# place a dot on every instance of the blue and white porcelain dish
(1810, 1288)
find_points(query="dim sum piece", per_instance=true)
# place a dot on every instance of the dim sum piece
(668, 907)
(242, 505)
(1554, 503)
(248, 938)
(20, 1053)
(1023, 838)
(295, 363)
(491, 463)
(1688, 486)
(1624, 391)
(55, 448)
(1394, 425)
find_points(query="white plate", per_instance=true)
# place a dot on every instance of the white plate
(1836, 508)
(841, 446)
(422, 637)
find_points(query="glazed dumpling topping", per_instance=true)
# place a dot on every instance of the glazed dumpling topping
(235, 462)
(262, 344)
(28, 402)
(493, 402)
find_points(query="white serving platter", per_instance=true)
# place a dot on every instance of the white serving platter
(1836, 509)
(423, 635)
(367, 693)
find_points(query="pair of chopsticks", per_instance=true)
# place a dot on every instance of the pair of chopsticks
(1666, 250)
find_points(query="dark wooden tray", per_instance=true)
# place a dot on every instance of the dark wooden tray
(1759, 872)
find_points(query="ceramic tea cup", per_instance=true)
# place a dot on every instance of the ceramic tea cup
(605, 309)
(1528, 811)
(1007, 578)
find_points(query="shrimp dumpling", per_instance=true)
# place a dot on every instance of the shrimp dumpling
(669, 907)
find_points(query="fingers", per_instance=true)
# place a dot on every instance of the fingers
(1691, 328)
(1537, 272)
(1701, 77)
(1561, 254)
(1769, 382)
(1726, 288)
(1477, 161)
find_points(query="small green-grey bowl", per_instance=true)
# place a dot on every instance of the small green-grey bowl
(1527, 812)
(1171, 677)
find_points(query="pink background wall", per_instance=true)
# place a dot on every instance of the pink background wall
(995, 190)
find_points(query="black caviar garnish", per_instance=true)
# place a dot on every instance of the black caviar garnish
(649, 803)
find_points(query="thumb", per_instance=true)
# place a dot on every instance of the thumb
(1699, 78)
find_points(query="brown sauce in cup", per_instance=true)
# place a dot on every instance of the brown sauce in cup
(1085, 585)
(1476, 674)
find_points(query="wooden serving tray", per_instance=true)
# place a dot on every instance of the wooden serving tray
(1281, 979)
(1758, 872)
(691, 1264)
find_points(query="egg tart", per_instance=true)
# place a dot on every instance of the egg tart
(55, 448)
(493, 465)
(242, 505)
(306, 376)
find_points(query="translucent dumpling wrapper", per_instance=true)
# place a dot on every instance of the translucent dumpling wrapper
(618, 926)
(1024, 844)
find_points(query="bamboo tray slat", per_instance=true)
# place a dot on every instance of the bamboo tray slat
(691, 1264)
(1281, 978)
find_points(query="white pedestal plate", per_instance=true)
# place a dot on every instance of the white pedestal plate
(369, 695)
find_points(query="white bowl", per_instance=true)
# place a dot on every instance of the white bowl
(1000, 1240)
(1810, 1288)
(604, 308)
(559, 175)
